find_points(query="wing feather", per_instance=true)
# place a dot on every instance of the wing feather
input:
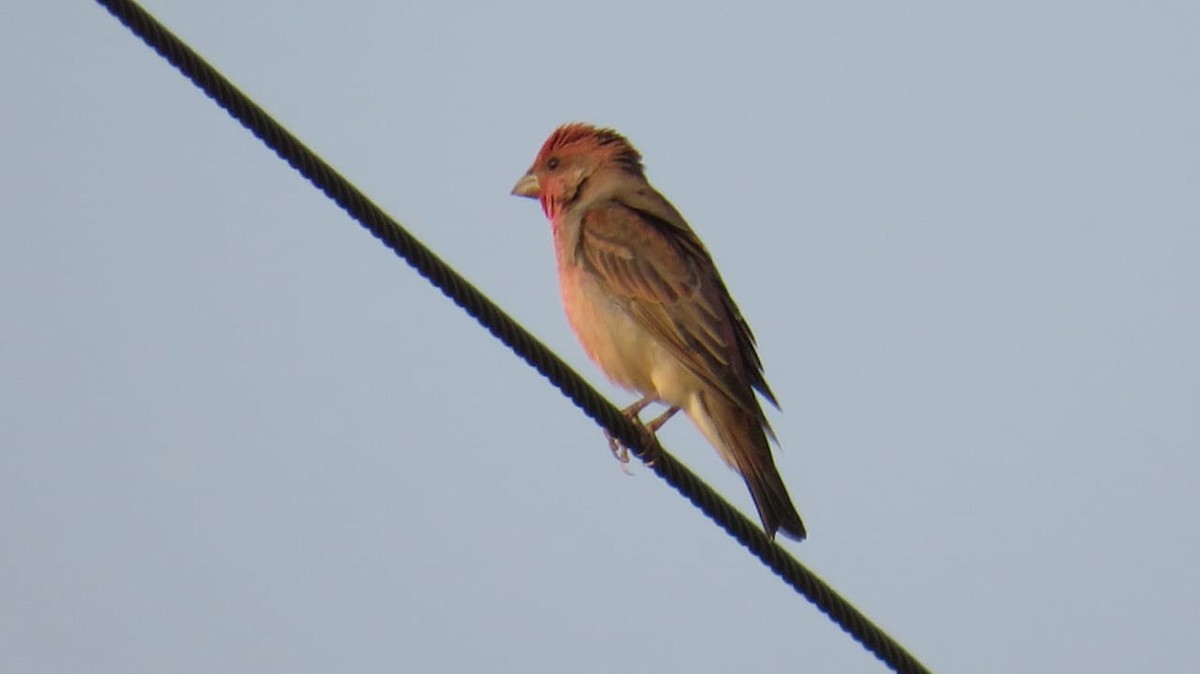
(669, 285)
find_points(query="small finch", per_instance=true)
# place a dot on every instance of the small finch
(646, 302)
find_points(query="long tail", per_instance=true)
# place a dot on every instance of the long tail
(740, 438)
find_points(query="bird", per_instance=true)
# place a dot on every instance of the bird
(644, 298)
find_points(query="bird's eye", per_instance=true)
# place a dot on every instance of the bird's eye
(552, 164)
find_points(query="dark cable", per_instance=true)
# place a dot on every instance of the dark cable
(504, 328)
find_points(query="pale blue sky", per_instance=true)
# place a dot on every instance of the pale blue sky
(237, 435)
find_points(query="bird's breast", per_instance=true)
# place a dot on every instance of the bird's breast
(625, 351)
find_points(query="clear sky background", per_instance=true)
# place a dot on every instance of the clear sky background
(237, 435)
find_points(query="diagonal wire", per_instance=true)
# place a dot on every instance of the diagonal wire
(508, 331)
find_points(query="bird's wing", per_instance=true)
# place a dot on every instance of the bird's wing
(650, 260)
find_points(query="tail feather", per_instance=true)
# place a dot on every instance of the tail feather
(740, 437)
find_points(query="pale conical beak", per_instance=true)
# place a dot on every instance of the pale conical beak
(527, 186)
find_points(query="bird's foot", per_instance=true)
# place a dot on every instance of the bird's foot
(652, 429)
(621, 452)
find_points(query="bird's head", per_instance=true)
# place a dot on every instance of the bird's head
(571, 156)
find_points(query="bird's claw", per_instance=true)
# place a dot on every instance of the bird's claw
(619, 451)
(618, 448)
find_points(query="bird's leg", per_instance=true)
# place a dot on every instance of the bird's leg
(635, 409)
(619, 450)
(655, 424)
(658, 421)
